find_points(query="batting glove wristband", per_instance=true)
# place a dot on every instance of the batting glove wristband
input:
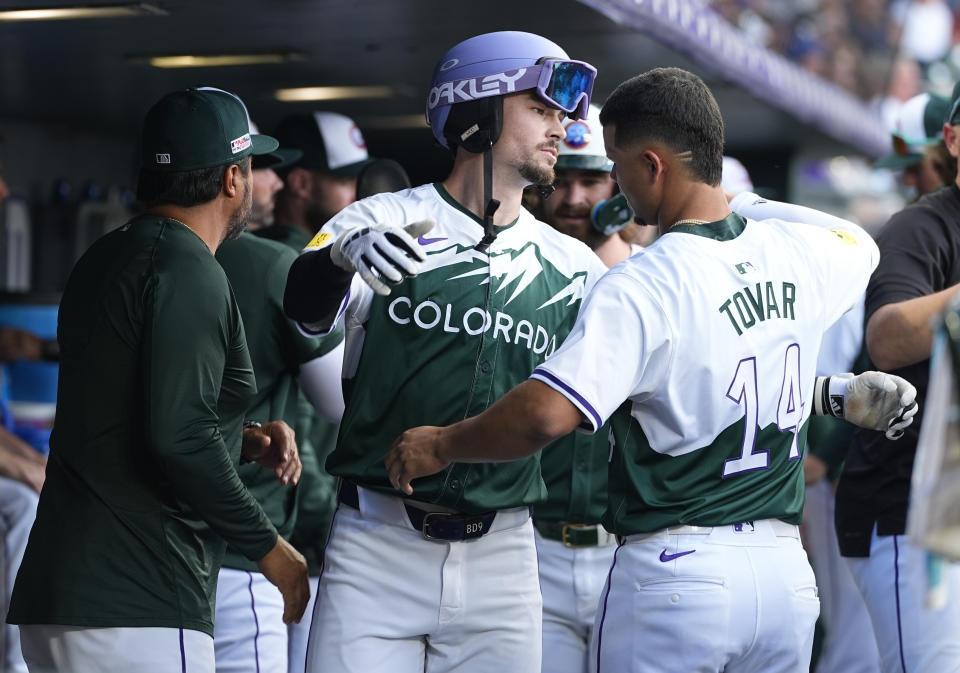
(872, 400)
(382, 253)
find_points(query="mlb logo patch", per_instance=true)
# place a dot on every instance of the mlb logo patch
(163, 158)
(241, 143)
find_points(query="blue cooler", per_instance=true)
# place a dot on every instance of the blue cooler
(28, 393)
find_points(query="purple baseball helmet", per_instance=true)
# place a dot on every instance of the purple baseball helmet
(496, 64)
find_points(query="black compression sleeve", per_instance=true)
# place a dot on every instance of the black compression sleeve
(315, 288)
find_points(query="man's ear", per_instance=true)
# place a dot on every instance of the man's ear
(232, 181)
(299, 181)
(951, 139)
(653, 163)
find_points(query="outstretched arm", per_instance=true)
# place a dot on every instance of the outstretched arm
(901, 333)
(523, 421)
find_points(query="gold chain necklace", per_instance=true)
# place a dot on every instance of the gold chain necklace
(690, 221)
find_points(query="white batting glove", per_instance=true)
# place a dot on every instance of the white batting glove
(382, 253)
(872, 400)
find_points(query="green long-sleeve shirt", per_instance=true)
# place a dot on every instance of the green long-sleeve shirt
(142, 488)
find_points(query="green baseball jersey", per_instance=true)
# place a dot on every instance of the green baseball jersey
(288, 234)
(257, 270)
(451, 341)
(316, 438)
(142, 489)
(575, 472)
(710, 335)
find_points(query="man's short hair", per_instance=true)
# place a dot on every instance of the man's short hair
(183, 188)
(673, 107)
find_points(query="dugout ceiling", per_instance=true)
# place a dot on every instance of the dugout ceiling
(79, 73)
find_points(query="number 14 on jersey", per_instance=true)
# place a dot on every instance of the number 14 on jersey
(744, 391)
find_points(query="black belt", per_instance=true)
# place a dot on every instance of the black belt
(572, 535)
(447, 526)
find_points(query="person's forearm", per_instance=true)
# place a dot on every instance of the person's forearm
(202, 473)
(901, 334)
(315, 290)
(521, 423)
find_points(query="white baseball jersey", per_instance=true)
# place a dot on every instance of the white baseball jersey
(711, 334)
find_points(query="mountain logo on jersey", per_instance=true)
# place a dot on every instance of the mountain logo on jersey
(519, 270)
(528, 281)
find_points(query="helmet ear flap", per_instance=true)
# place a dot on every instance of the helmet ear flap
(474, 125)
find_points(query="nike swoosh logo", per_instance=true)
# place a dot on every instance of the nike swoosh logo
(664, 556)
(428, 241)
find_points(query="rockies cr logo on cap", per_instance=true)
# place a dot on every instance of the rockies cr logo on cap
(578, 135)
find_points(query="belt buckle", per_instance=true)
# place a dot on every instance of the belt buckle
(565, 535)
(427, 518)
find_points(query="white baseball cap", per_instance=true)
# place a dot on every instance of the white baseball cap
(583, 147)
(330, 142)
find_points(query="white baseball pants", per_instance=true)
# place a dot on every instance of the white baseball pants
(738, 599)
(849, 645)
(893, 581)
(248, 629)
(571, 581)
(297, 634)
(76, 649)
(390, 600)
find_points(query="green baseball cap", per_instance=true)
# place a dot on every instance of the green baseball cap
(919, 124)
(199, 128)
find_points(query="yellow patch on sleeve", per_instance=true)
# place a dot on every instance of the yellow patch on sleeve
(844, 236)
(321, 240)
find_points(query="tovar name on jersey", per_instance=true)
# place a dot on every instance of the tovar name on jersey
(428, 315)
(758, 303)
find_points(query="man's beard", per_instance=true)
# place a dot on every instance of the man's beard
(238, 221)
(537, 174)
(260, 215)
(582, 230)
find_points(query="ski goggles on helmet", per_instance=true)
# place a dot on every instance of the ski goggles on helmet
(567, 85)
(561, 83)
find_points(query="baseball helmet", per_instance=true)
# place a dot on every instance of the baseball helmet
(583, 148)
(465, 104)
